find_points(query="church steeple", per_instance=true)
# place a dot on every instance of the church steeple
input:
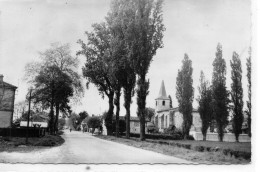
(162, 102)
(162, 92)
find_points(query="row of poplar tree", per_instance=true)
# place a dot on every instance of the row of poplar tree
(215, 101)
(118, 55)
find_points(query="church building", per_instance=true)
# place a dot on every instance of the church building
(166, 115)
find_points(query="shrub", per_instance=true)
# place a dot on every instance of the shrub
(159, 136)
(190, 137)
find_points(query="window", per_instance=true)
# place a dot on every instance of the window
(163, 103)
(156, 103)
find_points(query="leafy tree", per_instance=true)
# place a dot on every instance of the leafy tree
(237, 94)
(142, 26)
(58, 57)
(170, 101)
(149, 113)
(205, 104)
(83, 115)
(248, 111)
(94, 122)
(61, 123)
(185, 93)
(219, 93)
(53, 87)
(98, 66)
(75, 120)
(127, 76)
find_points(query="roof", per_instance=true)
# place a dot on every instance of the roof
(175, 110)
(7, 85)
(162, 92)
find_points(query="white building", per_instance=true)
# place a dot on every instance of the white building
(166, 116)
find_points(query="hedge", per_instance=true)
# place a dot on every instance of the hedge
(22, 132)
(159, 136)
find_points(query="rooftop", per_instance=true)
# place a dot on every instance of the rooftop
(162, 92)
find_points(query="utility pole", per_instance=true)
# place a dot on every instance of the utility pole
(28, 118)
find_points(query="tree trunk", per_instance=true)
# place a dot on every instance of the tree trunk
(204, 137)
(128, 98)
(51, 119)
(56, 124)
(220, 134)
(143, 86)
(109, 117)
(51, 122)
(117, 103)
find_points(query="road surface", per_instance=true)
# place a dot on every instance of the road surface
(83, 148)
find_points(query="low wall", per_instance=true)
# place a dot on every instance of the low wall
(228, 137)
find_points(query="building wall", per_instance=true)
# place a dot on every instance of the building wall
(5, 119)
(167, 118)
(159, 105)
(6, 107)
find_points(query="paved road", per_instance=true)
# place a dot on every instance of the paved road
(83, 148)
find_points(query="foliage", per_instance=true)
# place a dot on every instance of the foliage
(185, 93)
(75, 119)
(52, 86)
(56, 80)
(205, 104)
(149, 113)
(83, 115)
(61, 123)
(170, 100)
(248, 111)
(220, 93)
(98, 66)
(58, 55)
(141, 25)
(237, 94)
(94, 122)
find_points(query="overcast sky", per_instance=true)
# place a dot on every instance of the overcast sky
(193, 27)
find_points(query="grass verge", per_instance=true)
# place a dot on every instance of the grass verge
(18, 144)
(184, 152)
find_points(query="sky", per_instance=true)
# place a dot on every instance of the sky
(28, 27)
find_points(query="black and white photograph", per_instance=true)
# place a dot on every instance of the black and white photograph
(87, 83)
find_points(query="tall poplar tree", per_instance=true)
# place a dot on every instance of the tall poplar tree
(142, 26)
(185, 94)
(170, 100)
(237, 95)
(205, 104)
(220, 93)
(248, 111)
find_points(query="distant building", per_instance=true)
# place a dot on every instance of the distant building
(134, 124)
(166, 116)
(7, 97)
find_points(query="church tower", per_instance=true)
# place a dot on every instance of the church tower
(162, 102)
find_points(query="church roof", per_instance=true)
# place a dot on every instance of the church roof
(162, 92)
(175, 109)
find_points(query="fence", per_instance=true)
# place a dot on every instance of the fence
(228, 137)
(22, 132)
